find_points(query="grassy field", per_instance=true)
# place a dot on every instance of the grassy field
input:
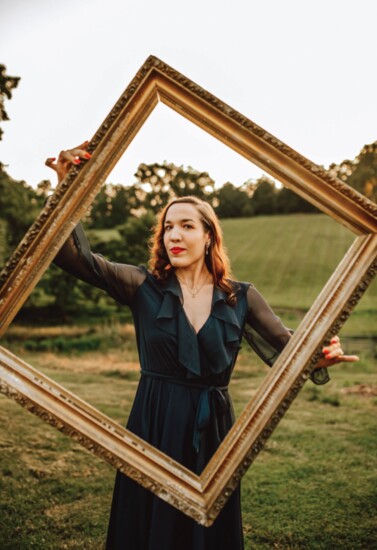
(315, 484)
(313, 487)
(290, 258)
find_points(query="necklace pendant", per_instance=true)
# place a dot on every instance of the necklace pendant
(195, 289)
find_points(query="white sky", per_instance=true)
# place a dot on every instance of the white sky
(303, 70)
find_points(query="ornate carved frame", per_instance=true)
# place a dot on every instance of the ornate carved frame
(200, 497)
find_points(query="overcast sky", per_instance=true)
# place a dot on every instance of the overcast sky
(303, 70)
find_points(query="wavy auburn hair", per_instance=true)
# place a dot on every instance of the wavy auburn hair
(216, 260)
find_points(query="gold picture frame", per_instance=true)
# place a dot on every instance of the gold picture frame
(201, 497)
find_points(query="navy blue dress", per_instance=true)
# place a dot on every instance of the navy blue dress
(182, 405)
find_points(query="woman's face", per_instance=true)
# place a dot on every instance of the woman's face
(184, 235)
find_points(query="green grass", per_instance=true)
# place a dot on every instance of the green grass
(314, 485)
(104, 235)
(290, 258)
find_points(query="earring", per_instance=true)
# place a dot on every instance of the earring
(207, 247)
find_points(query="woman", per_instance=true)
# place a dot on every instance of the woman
(189, 320)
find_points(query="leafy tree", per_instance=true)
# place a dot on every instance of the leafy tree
(364, 174)
(162, 182)
(62, 291)
(264, 198)
(132, 246)
(135, 237)
(100, 211)
(360, 173)
(61, 296)
(233, 202)
(44, 188)
(3, 242)
(7, 83)
(19, 206)
(289, 202)
(124, 201)
(114, 204)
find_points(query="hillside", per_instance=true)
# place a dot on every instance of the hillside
(290, 258)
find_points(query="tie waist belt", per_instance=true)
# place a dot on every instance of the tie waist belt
(203, 411)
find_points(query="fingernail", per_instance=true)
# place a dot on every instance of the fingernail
(325, 350)
(76, 161)
(333, 340)
(88, 156)
(327, 356)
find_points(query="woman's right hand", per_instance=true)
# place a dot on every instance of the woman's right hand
(67, 158)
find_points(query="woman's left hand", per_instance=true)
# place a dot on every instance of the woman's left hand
(334, 354)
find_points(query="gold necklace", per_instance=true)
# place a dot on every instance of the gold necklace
(195, 289)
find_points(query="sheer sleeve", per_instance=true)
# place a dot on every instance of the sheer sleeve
(120, 281)
(267, 335)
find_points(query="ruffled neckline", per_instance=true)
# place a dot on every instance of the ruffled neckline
(217, 339)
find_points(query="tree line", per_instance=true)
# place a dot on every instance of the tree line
(128, 213)
(120, 219)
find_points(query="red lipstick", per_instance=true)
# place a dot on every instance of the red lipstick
(176, 250)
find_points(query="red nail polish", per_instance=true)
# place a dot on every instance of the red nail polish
(325, 350)
(327, 356)
(88, 156)
(77, 161)
(333, 340)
